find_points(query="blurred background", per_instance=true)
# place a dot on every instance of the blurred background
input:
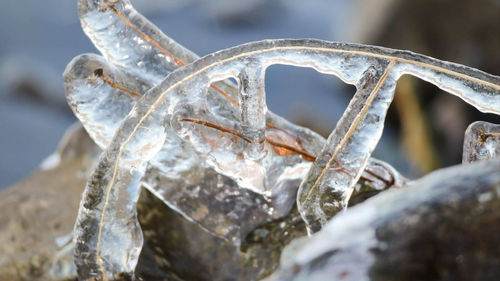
(425, 126)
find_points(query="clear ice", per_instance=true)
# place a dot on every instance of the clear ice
(210, 149)
(482, 142)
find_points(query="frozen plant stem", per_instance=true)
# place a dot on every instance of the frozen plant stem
(363, 120)
(179, 127)
(325, 191)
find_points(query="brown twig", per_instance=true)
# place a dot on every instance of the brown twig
(99, 73)
(217, 127)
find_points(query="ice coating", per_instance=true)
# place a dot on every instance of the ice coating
(349, 66)
(110, 25)
(126, 38)
(330, 182)
(482, 142)
(148, 55)
(107, 234)
(350, 62)
(100, 106)
(237, 146)
(116, 23)
(176, 169)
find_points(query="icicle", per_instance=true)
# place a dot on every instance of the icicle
(253, 107)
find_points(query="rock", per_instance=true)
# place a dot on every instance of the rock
(443, 227)
(43, 207)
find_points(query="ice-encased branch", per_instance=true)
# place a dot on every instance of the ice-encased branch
(347, 61)
(326, 189)
(144, 57)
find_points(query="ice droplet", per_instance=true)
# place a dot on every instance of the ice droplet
(482, 142)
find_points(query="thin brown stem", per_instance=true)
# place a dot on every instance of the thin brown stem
(492, 135)
(217, 127)
(233, 101)
(307, 156)
(100, 74)
(365, 178)
(215, 87)
(297, 139)
(387, 182)
(161, 49)
(145, 36)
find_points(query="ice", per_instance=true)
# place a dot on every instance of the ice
(110, 25)
(104, 24)
(172, 169)
(210, 149)
(99, 106)
(107, 235)
(377, 176)
(482, 142)
(174, 172)
(327, 188)
(217, 135)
